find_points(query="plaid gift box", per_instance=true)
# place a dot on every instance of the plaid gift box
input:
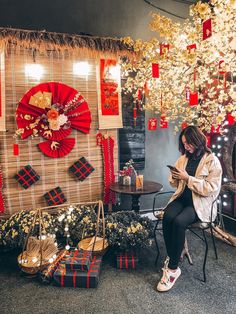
(76, 278)
(55, 197)
(81, 169)
(77, 260)
(127, 260)
(27, 176)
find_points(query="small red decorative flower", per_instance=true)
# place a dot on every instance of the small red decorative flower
(52, 114)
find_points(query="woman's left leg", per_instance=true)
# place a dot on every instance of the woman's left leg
(186, 217)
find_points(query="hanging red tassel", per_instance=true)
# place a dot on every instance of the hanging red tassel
(208, 138)
(2, 202)
(139, 94)
(206, 29)
(155, 70)
(135, 115)
(152, 124)
(15, 149)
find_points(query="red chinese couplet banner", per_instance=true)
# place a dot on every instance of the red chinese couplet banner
(109, 86)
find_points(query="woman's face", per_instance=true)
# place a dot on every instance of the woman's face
(188, 147)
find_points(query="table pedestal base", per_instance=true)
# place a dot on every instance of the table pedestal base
(136, 203)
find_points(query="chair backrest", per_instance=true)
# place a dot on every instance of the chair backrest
(160, 200)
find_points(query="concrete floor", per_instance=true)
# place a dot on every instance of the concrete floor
(121, 291)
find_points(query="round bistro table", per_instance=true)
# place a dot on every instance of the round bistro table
(149, 187)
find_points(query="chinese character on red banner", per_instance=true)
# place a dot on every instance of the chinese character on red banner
(108, 86)
(152, 124)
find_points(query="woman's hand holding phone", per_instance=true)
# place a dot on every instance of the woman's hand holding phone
(178, 174)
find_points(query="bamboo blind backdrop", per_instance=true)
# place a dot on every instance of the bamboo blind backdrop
(53, 171)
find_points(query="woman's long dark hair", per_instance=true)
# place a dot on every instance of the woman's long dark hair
(197, 139)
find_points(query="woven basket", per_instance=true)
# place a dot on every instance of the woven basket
(36, 253)
(98, 248)
(98, 245)
(29, 266)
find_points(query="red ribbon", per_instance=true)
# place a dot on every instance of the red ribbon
(90, 269)
(126, 261)
(74, 278)
(63, 271)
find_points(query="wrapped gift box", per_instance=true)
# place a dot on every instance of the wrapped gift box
(77, 260)
(77, 278)
(127, 260)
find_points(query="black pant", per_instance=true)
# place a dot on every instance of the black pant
(177, 217)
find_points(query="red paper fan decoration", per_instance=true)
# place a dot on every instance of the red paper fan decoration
(56, 135)
(73, 111)
(57, 149)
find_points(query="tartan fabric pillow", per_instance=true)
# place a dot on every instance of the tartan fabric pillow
(27, 176)
(55, 197)
(81, 169)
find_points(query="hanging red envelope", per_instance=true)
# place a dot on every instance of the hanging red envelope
(164, 48)
(230, 119)
(155, 70)
(152, 124)
(206, 29)
(163, 122)
(193, 98)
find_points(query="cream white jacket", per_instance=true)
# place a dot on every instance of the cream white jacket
(205, 186)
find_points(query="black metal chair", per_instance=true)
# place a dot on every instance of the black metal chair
(198, 226)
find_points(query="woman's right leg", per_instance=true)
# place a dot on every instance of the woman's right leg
(171, 211)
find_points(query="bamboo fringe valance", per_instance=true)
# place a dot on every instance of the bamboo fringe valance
(43, 42)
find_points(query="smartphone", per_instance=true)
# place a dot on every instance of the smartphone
(173, 168)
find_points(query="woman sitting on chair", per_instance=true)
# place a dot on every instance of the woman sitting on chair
(197, 177)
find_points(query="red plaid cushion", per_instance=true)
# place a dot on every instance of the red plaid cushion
(27, 176)
(55, 197)
(81, 169)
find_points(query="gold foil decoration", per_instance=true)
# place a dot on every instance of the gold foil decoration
(41, 100)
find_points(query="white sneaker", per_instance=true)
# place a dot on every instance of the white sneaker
(168, 279)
